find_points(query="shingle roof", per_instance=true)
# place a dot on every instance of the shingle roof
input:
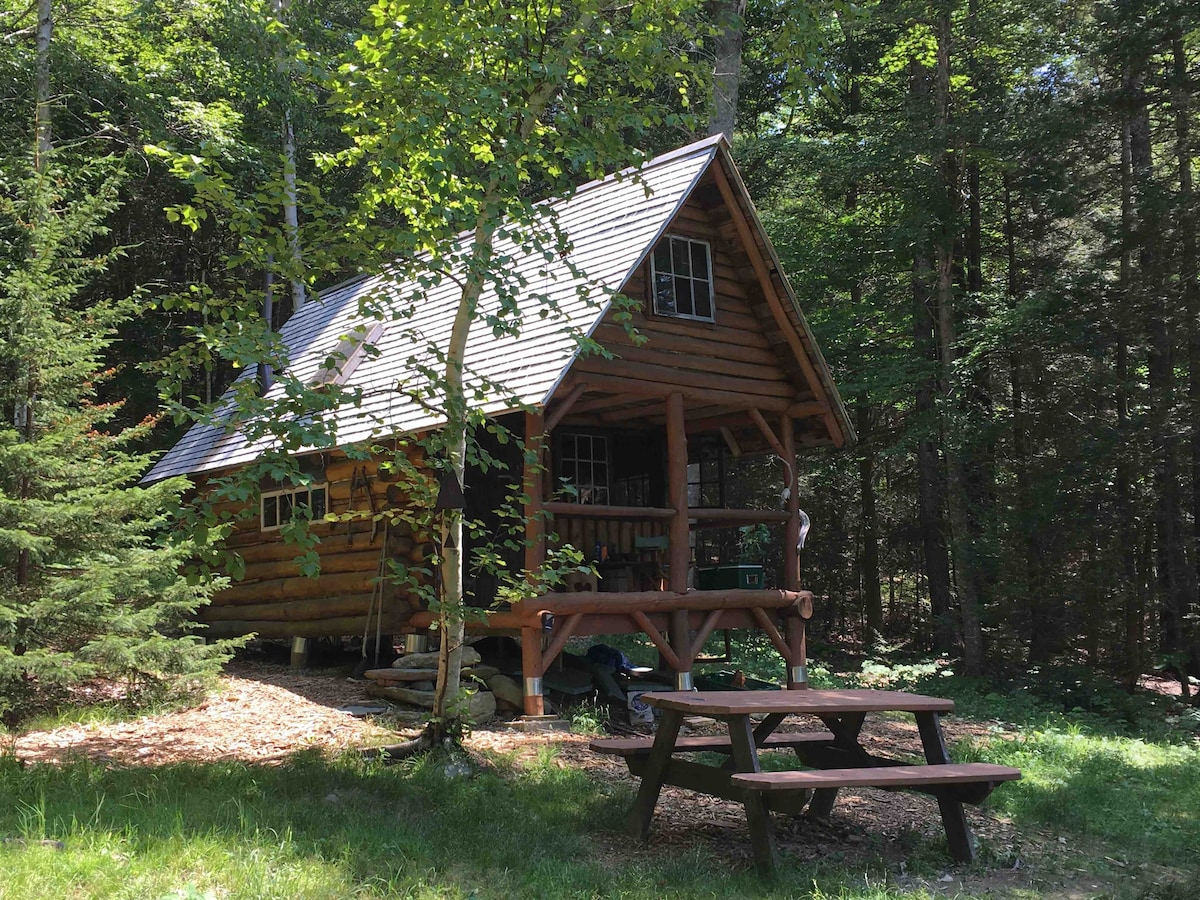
(612, 224)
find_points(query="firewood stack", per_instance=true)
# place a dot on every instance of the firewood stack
(411, 680)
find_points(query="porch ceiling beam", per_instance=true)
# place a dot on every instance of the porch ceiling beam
(564, 406)
(638, 388)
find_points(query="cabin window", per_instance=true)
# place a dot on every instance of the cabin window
(280, 507)
(681, 276)
(584, 465)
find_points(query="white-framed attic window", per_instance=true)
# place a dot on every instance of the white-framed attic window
(277, 508)
(681, 278)
(340, 364)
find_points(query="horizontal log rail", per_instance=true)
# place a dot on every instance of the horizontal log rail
(647, 602)
(592, 511)
(703, 515)
(721, 517)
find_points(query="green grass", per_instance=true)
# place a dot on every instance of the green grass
(1117, 779)
(320, 828)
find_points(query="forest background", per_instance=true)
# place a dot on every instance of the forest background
(987, 210)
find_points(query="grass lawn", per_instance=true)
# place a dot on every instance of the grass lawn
(1110, 808)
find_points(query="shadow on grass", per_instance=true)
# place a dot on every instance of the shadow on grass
(326, 828)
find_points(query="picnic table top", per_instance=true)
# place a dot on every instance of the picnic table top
(718, 703)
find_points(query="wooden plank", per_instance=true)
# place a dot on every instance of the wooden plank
(698, 332)
(882, 777)
(724, 703)
(665, 372)
(715, 743)
(697, 360)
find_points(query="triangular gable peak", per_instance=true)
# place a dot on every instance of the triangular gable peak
(739, 350)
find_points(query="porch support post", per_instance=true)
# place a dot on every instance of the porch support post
(535, 555)
(680, 553)
(531, 671)
(535, 530)
(791, 531)
(797, 664)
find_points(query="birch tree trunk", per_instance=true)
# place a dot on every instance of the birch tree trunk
(291, 218)
(727, 65)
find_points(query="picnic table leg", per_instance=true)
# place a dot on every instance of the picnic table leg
(845, 736)
(765, 729)
(638, 823)
(745, 759)
(954, 820)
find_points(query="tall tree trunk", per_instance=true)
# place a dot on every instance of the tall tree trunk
(931, 488)
(965, 562)
(727, 64)
(872, 594)
(1173, 574)
(1189, 287)
(41, 156)
(1134, 604)
(1031, 580)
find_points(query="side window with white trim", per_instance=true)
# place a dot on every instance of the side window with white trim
(681, 276)
(277, 508)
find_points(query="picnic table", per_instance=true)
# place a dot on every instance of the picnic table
(835, 758)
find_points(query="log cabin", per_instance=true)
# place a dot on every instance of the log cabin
(728, 367)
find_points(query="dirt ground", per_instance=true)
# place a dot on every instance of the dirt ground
(263, 712)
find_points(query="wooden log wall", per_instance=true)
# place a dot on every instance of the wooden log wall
(615, 534)
(731, 354)
(275, 600)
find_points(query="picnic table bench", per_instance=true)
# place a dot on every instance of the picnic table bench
(836, 758)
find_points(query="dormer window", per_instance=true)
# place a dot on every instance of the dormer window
(351, 350)
(681, 275)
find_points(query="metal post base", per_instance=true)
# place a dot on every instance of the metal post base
(416, 643)
(683, 681)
